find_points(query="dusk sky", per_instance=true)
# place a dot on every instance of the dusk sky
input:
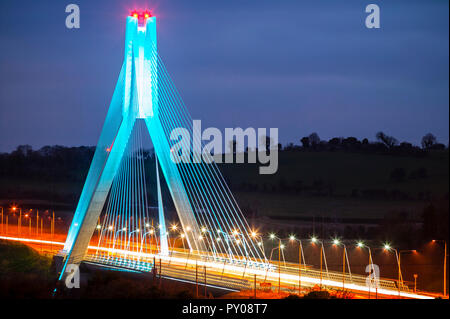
(301, 66)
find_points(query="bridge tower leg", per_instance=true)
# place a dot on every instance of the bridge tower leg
(135, 97)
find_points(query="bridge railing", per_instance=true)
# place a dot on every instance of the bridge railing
(189, 272)
(345, 278)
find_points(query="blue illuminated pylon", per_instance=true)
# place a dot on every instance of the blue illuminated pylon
(212, 222)
(162, 222)
(135, 97)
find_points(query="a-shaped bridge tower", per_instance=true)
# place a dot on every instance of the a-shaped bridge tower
(212, 222)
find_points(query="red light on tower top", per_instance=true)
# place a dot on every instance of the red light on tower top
(141, 15)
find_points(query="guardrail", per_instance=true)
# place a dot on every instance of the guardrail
(188, 272)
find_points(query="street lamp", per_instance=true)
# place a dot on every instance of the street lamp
(2, 218)
(260, 243)
(173, 246)
(415, 282)
(129, 236)
(242, 239)
(28, 215)
(361, 245)
(149, 232)
(273, 236)
(115, 237)
(445, 264)
(19, 220)
(337, 242)
(388, 247)
(280, 247)
(314, 240)
(300, 255)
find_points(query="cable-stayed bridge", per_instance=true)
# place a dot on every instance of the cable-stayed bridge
(146, 102)
(213, 233)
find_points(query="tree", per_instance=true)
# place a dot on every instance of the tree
(428, 141)
(314, 139)
(268, 141)
(335, 141)
(387, 140)
(233, 146)
(23, 150)
(305, 142)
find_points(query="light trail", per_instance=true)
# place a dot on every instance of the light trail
(238, 270)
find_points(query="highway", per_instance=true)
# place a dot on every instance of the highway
(182, 265)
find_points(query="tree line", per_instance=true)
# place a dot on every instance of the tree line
(71, 163)
(383, 143)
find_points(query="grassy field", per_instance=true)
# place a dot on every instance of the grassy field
(330, 184)
(347, 171)
(341, 174)
(24, 273)
(278, 205)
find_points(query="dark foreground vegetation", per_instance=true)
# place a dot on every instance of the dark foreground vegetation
(24, 274)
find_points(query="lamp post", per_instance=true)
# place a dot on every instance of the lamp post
(445, 265)
(300, 255)
(204, 234)
(315, 240)
(337, 242)
(388, 248)
(19, 220)
(239, 235)
(273, 236)
(398, 256)
(150, 232)
(280, 247)
(52, 225)
(37, 222)
(173, 246)
(174, 228)
(415, 282)
(360, 244)
(2, 218)
(115, 237)
(260, 243)
(29, 222)
(129, 236)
